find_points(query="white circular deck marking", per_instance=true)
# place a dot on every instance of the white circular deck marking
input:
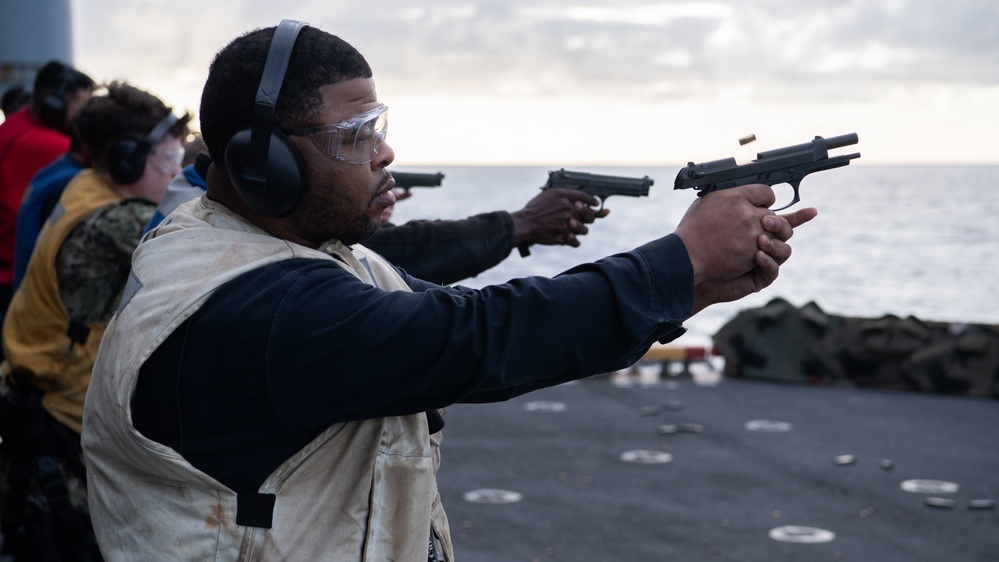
(801, 535)
(768, 426)
(545, 406)
(929, 487)
(492, 496)
(646, 457)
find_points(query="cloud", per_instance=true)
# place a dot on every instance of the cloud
(578, 48)
(895, 67)
(655, 14)
(783, 47)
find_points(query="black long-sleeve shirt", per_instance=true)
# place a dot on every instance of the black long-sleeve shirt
(446, 251)
(280, 353)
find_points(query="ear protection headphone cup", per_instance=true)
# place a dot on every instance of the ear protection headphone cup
(261, 162)
(53, 108)
(285, 180)
(127, 161)
(127, 157)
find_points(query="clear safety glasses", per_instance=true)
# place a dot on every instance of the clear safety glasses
(355, 140)
(174, 157)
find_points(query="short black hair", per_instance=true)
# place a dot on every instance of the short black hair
(58, 79)
(14, 98)
(227, 102)
(124, 112)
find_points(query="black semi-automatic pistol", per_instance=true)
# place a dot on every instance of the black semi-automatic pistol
(783, 165)
(597, 185)
(407, 180)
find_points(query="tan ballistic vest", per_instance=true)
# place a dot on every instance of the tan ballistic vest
(362, 490)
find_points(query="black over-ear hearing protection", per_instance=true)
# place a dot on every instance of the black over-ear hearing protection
(127, 157)
(53, 108)
(261, 162)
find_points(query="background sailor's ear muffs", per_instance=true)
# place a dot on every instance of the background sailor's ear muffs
(53, 107)
(262, 164)
(127, 157)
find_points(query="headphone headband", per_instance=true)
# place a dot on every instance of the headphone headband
(262, 164)
(65, 77)
(275, 67)
(160, 130)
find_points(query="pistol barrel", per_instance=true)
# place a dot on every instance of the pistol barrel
(842, 140)
(818, 142)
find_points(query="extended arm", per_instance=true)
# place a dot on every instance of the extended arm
(446, 251)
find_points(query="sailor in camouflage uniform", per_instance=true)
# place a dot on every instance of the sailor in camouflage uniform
(93, 262)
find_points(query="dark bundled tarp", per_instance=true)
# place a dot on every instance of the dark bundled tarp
(782, 342)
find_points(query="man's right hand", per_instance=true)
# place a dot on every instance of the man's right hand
(736, 243)
(556, 216)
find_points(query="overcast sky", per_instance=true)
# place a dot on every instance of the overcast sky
(560, 82)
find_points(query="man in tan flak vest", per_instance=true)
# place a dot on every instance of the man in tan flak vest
(269, 389)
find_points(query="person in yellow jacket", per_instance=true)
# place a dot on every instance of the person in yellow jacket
(81, 260)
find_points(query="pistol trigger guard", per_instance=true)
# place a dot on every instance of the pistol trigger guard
(794, 199)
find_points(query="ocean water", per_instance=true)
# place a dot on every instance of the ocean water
(902, 240)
